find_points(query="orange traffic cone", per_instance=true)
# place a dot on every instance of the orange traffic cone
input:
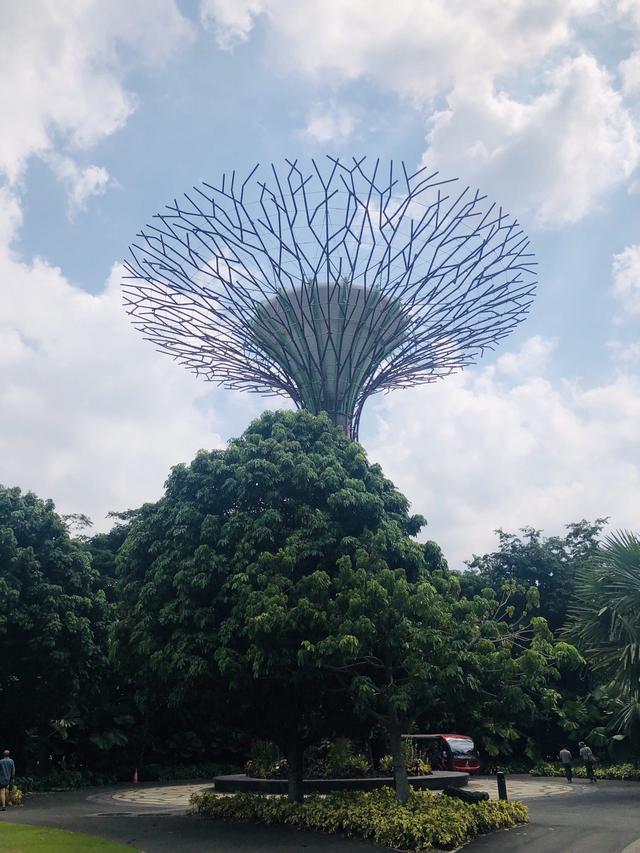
(136, 781)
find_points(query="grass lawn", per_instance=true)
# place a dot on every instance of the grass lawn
(17, 838)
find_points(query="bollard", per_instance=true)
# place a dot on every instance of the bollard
(502, 786)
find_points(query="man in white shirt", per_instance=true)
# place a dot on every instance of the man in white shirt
(565, 758)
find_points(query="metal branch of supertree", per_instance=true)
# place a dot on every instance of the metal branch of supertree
(329, 283)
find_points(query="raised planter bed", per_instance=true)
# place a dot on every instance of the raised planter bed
(238, 782)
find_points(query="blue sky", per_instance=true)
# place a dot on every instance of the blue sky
(112, 108)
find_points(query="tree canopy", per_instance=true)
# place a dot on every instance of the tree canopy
(227, 576)
(53, 622)
(530, 559)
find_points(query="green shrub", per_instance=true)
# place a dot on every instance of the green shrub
(150, 773)
(511, 766)
(335, 759)
(265, 761)
(622, 772)
(56, 779)
(428, 819)
(207, 770)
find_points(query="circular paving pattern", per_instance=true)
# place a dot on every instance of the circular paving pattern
(168, 796)
(518, 788)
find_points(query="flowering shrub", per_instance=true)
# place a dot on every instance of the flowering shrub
(427, 820)
(14, 796)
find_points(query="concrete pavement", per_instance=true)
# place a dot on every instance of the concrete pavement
(600, 818)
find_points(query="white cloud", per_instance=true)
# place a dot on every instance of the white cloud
(625, 354)
(626, 279)
(630, 73)
(81, 183)
(487, 449)
(330, 123)
(631, 8)
(419, 48)
(531, 359)
(91, 415)
(61, 70)
(231, 20)
(556, 155)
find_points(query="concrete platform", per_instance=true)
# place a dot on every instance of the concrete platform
(239, 782)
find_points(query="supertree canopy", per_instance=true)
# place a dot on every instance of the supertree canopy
(329, 284)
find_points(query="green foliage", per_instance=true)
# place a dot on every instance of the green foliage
(225, 584)
(265, 761)
(427, 820)
(414, 766)
(205, 770)
(53, 625)
(506, 674)
(413, 762)
(621, 772)
(336, 759)
(548, 565)
(605, 625)
(59, 779)
(56, 780)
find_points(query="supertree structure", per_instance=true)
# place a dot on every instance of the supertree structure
(329, 284)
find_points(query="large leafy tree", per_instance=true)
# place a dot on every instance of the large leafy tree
(605, 625)
(388, 648)
(414, 652)
(511, 670)
(551, 564)
(228, 576)
(53, 624)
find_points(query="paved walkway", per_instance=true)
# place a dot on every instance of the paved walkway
(524, 787)
(600, 818)
(177, 796)
(167, 796)
(578, 818)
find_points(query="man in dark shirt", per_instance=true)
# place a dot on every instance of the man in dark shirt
(589, 758)
(7, 777)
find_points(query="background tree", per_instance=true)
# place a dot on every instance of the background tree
(550, 564)
(511, 671)
(53, 625)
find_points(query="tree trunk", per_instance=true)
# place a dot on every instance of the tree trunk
(295, 755)
(400, 777)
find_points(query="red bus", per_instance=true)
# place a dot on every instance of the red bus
(448, 751)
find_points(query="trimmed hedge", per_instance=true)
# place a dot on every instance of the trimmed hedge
(428, 820)
(622, 772)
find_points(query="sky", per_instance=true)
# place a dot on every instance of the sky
(112, 108)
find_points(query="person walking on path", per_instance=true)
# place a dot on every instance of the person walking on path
(565, 758)
(7, 777)
(589, 759)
